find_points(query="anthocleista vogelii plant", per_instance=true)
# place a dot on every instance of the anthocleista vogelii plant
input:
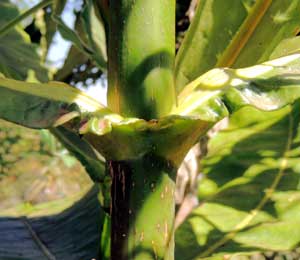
(157, 110)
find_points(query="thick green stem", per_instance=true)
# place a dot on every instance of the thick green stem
(21, 17)
(141, 84)
(141, 57)
(143, 209)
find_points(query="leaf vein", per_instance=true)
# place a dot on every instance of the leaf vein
(247, 220)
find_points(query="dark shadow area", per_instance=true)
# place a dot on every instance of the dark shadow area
(73, 234)
(137, 96)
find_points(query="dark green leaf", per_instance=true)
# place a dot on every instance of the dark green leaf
(74, 58)
(252, 174)
(71, 36)
(235, 33)
(43, 105)
(50, 25)
(18, 57)
(91, 38)
(211, 31)
(94, 28)
(93, 162)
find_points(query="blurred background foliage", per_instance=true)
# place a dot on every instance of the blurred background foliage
(36, 168)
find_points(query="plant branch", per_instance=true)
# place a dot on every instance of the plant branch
(21, 17)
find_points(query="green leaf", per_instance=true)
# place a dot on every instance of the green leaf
(95, 30)
(74, 58)
(53, 104)
(50, 105)
(105, 239)
(91, 38)
(252, 174)
(234, 34)
(53, 230)
(211, 31)
(126, 139)
(280, 21)
(44, 105)
(50, 26)
(71, 35)
(286, 47)
(268, 86)
(202, 103)
(19, 58)
(93, 162)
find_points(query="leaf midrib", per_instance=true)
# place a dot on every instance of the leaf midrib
(243, 35)
(59, 92)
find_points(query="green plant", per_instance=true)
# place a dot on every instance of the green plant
(152, 120)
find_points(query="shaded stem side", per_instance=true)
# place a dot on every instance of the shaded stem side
(142, 209)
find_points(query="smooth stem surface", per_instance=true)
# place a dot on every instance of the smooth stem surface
(141, 57)
(141, 84)
(21, 17)
(143, 209)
